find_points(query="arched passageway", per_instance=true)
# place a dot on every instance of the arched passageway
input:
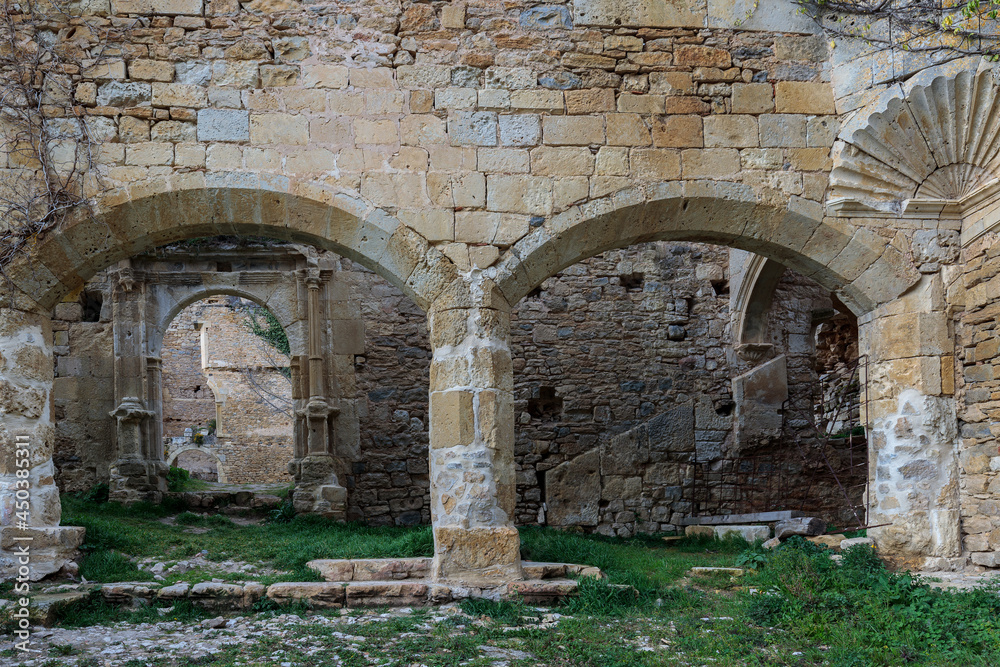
(471, 401)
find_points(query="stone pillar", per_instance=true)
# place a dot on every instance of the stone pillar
(317, 488)
(472, 437)
(135, 475)
(29, 499)
(913, 449)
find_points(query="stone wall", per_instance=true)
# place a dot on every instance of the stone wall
(84, 388)
(978, 382)
(622, 386)
(188, 400)
(210, 357)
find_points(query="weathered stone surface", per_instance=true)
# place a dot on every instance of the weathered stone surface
(223, 125)
(829, 541)
(805, 526)
(319, 594)
(857, 541)
(573, 491)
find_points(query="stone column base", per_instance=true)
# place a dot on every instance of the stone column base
(481, 557)
(132, 481)
(51, 549)
(316, 488)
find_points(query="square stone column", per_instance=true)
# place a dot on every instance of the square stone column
(29, 499)
(472, 437)
(913, 427)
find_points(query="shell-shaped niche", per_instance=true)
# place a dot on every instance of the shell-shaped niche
(953, 182)
(940, 141)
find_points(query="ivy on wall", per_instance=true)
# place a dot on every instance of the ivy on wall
(263, 324)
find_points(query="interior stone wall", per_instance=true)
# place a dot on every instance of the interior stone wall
(623, 373)
(254, 436)
(84, 388)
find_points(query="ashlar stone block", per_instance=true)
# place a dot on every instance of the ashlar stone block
(223, 125)
(452, 419)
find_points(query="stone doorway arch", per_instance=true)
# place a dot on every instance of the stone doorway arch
(174, 455)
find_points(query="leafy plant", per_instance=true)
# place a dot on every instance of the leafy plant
(284, 513)
(263, 324)
(177, 478)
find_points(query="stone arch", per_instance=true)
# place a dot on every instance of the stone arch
(853, 261)
(935, 137)
(284, 317)
(751, 303)
(147, 214)
(204, 450)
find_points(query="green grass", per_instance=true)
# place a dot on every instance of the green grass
(136, 531)
(796, 606)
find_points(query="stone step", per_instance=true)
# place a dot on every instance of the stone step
(372, 569)
(401, 569)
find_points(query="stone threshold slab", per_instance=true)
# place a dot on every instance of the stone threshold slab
(756, 517)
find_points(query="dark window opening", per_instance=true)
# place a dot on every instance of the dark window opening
(546, 404)
(632, 281)
(224, 267)
(724, 408)
(92, 304)
(721, 287)
(540, 480)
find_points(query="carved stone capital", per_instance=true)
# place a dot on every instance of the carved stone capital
(753, 352)
(131, 409)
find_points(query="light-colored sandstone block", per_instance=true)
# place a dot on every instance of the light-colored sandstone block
(655, 163)
(573, 130)
(432, 224)
(473, 128)
(223, 125)
(332, 130)
(537, 100)
(520, 130)
(279, 128)
(644, 104)
(324, 76)
(710, 162)
(375, 131)
(678, 132)
(782, 130)
(753, 98)
(519, 194)
(804, 97)
(149, 154)
(143, 69)
(378, 77)
(626, 129)
(162, 7)
(452, 419)
(179, 95)
(568, 161)
(731, 131)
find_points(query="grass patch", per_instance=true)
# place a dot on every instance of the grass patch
(96, 611)
(108, 566)
(136, 531)
(794, 606)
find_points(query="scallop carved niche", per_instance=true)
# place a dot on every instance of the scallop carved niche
(931, 139)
